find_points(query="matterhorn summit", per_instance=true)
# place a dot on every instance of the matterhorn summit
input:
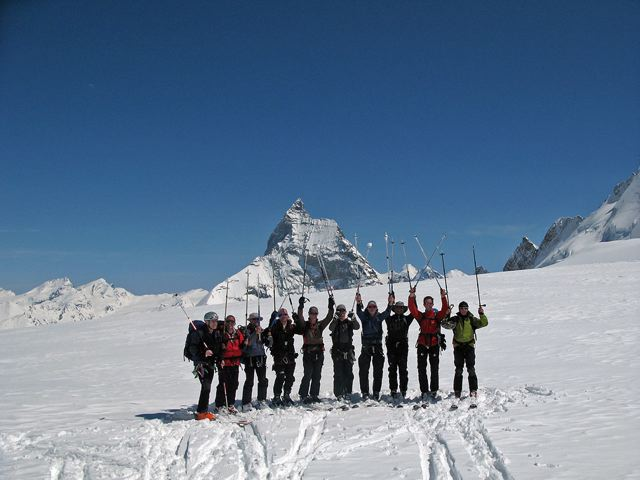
(298, 237)
(618, 218)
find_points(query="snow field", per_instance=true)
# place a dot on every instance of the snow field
(112, 399)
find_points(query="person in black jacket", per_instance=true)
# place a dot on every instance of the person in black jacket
(371, 351)
(205, 346)
(342, 352)
(397, 343)
(284, 355)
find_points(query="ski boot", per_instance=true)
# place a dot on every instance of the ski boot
(286, 400)
(205, 416)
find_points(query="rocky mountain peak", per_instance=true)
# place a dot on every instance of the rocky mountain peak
(299, 239)
(618, 218)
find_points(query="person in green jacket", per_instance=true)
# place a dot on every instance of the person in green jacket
(464, 325)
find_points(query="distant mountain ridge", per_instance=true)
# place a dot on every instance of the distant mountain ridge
(283, 261)
(59, 301)
(618, 218)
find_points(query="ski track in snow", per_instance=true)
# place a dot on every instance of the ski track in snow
(279, 444)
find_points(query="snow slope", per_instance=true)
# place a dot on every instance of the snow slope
(558, 397)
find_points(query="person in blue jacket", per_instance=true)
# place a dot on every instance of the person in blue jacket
(371, 351)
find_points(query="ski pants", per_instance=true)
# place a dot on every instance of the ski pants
(371, 354)
(257, 365)
(342, 371)
(397, 353)
(205, 389)
(227, 383)
(312, 362)
(465, 354)
(429, 355)
(284, 377)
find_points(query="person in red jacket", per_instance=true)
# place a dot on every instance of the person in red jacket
(229, 365)
(429, 340)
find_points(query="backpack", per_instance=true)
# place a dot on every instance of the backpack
(199, 324)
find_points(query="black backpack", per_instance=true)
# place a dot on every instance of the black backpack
(199, 324)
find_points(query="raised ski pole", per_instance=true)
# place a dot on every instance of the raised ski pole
(226, 299)
(386, 246)
(444, 272)
(306, 253)
(325, 274)
(366, 259)
(273, 278)
(190, 321)
(393, 244)
(404, 251)
(246, 303)
(475, 267)
(259, 291)
(428, 259)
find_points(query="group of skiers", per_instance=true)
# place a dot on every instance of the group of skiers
(221, 345)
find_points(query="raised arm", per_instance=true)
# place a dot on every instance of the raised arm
(355, 324)
(481, 322)
(413, 306)
(323, 324)
(384, 315)
(359, 309)
(301, 308)
(445, 306)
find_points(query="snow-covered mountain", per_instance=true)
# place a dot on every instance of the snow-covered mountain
(455, 273)
(618, 218)
(283, 262)
(59, 301)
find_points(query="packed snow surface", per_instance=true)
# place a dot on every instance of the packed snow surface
(557, 365)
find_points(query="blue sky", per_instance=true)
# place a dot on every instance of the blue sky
(157, 144)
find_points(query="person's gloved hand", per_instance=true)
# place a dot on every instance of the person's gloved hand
(332, 302)
(443, 342)
(301, 301)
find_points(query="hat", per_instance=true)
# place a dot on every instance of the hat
(371, 302)
(315, 310)
(230, 318)
(463, 304)
(400, 306)
(254, 316)
(341, 307)
(211, 316)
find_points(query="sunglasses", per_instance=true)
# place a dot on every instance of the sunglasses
(372, 306)
(341, 310)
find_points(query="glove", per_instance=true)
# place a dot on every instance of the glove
(443, 342)
(301, 301)
(350, 315)
(198, 370)
(332, 302)
(295, 317)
